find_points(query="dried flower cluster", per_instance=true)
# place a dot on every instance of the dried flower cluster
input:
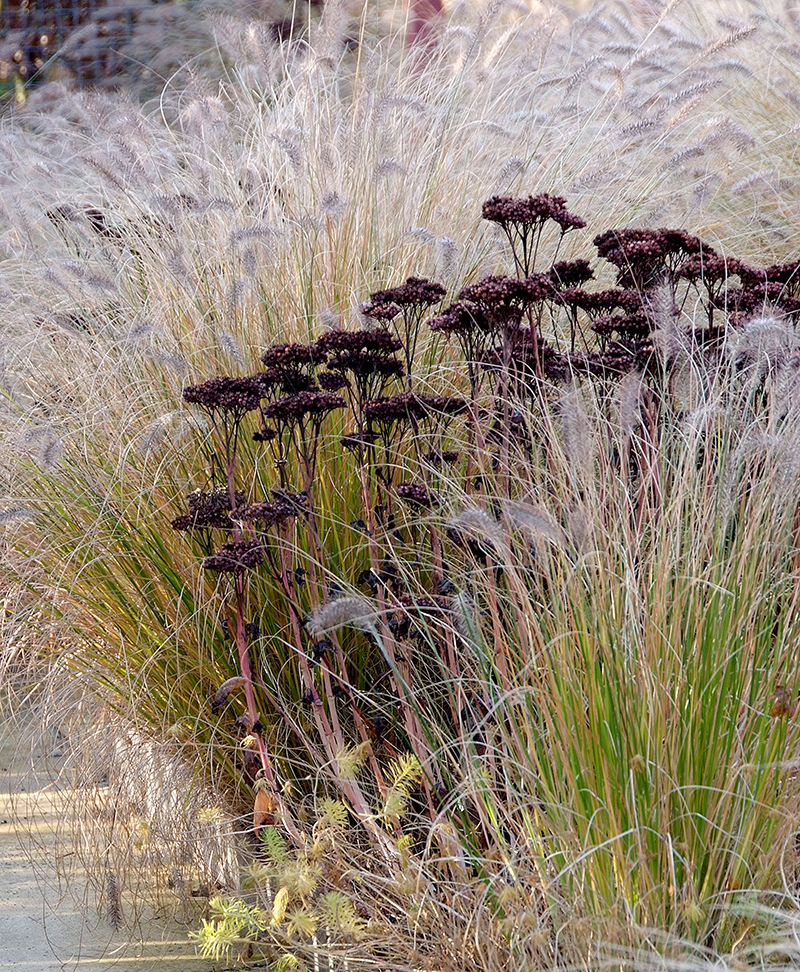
(289, 368)
(418, 494)
(294, 407)
(208, 510)
(416, 292)
(507, 211)
(523, 221)
(225, 394)
(235, 557)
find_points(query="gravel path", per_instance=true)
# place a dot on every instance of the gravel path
(41, 927)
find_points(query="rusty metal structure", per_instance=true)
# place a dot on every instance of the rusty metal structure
(84, 37)
(31, 31)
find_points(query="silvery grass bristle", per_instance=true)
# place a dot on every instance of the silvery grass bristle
(355, 612)
(628, 402)
(764, 344)
(534, 519)
(578, 432)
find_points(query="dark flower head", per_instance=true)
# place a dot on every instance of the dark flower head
(363, 364)
(555, 365)
(707, 267)
(292, 357)
(367, 340)
(449, 405)
(752, 298)
(531, 211)
(789, 305)
(213, 499)
(403, 407)
(265, 435)
(380, 310)
(417, 494)
(329, 381)
(359, 440)
(296, 503)
(618, 358)
(277, 381)
(570, 273)
(239, 395)
(784, 273)
(602, 301)
(290, 367)
(447, 458)
(750, 276)
(630, 324)
(496, 292)
(460, 318)
(207, 510)
(408, 406)
(365, 354)
(294, 407)
(235, 557)
(284, 506)
(644, 256)
(415, 292)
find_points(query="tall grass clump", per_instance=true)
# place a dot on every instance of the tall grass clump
(442, 527)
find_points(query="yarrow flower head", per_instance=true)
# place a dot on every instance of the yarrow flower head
(416, 292)
(284, 506)
(447, 458)
(358, 350)
(644, 257)
(570, 273)
(410, 301)
(460, 318)
(600, 302)
(411, 406)
(366, 355)
(331, 382)
(359, 440)
(496, 292)
(506, 211)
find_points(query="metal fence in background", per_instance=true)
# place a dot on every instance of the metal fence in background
(34, 32)
(56, 16)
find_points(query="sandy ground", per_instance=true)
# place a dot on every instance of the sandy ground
(42, 927)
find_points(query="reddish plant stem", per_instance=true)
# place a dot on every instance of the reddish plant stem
(331, 738)
(420, 25)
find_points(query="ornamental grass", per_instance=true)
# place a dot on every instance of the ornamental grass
(400, 488)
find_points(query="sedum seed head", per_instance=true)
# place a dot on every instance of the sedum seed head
(224, 393)
(235, 557)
